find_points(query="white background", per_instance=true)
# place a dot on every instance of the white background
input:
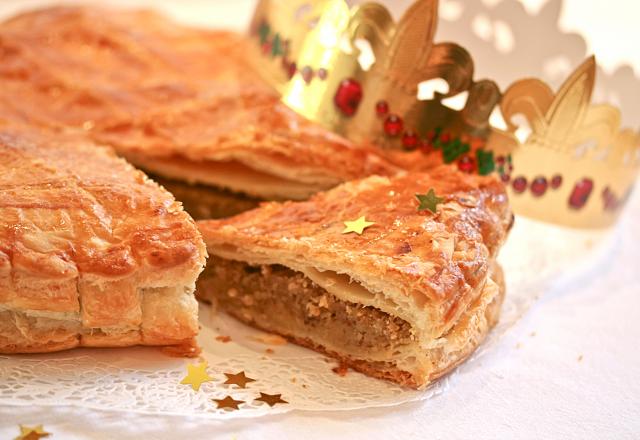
(569, 369)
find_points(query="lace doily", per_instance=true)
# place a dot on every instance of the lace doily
(145, 380)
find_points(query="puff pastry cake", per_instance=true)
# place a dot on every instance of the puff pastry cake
(92, 253)
(179, 103)
(407, 300)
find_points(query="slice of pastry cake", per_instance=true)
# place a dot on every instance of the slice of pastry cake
(92, 253)
(247, 142)
(178, 102)
(407, 300)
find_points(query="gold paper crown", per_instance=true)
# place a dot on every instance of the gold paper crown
(576, 168)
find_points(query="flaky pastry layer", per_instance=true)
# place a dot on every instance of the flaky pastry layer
(281, 301)
(92, 253)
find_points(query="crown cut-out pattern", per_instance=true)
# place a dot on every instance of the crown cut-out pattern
(551, 172)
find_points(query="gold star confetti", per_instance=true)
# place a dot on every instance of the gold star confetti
(429, 201)
(35, 433)
(196, 375)
(271, 399)
(357, 226)
(228, 403)
(239, 379)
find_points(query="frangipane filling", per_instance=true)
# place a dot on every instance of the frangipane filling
(207, 202)
(280, 300)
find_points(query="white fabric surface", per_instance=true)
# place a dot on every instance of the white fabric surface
(568, 369)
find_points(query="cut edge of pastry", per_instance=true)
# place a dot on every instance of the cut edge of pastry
(456, 346)
(414, 362)
(51, 301)
(349, 285)
(236, 176)
(204, 202)
(36, 331)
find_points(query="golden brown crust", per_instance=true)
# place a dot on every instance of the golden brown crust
(88, 246)
(159, 92)
(435, 264)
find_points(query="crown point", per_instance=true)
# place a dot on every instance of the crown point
(393, 125)
(580, 194)
(539, 186)
(348, 96)
(519, 184)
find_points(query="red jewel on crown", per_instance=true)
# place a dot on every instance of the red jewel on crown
(410, 140)
(580, 194)
(519, 184)
(466, 164)
(611, 202)
(307, 74)
(539, 186)
(348, 96)
(382, 108)
(393, 125)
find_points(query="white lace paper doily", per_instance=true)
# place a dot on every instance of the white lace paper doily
(145, 380)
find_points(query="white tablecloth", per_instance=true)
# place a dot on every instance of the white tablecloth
(569, 369)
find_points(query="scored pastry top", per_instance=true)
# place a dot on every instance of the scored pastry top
(68, 208)
(440, 261)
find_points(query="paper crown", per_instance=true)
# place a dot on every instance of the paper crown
(357, 72)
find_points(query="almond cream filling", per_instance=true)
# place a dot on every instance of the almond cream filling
(346, 288)
(280, 300)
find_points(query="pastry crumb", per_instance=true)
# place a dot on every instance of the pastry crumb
(223, 338)
(189, 349)
(580, 358)
(270, 339)
(532, 334)
(341, 370)
(519, 345)
(293, 380)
